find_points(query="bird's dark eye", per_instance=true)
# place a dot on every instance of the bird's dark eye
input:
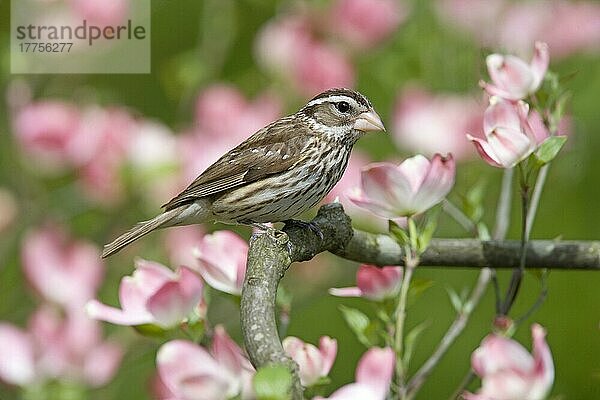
(342, 106)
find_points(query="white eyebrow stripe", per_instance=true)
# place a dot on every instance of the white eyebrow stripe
(334, 99)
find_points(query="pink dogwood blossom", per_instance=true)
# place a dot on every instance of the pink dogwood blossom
(222, 261)
(57, 347)
(512, 78)
(152, 295)
(321, 67)
(290, 47)
(510, 137)
(314, 363)
(373, 377)
(60, 269)
(509, 372)
(45, 130)
(412, 187)
(430, 123)
(191, 372)
(223, 112)
(374, 283)
(365, 23)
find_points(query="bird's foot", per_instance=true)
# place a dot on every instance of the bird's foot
(265, 228)
(302, 224)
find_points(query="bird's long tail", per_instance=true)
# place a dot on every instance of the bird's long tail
(143, 228)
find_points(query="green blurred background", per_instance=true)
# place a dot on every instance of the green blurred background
(195, 43)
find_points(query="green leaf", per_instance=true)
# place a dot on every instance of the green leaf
(196, 328)
(273, 382)
(559, 111)
(472, 201)
(398, 233)
(428, 230)
(151, 330)
(359, 323)
(417, 287)
(549, 149)
(411, 341)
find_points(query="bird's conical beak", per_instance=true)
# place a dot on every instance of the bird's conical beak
(369, 121)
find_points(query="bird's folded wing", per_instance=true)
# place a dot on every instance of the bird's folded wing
(244, 164)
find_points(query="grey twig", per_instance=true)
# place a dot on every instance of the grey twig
(271, 254)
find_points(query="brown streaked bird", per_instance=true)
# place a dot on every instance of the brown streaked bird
(277, 173)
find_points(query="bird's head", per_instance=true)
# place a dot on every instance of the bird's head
(341, 113)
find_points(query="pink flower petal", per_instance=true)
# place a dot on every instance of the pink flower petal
(17, 365)
(222, 261)
(377, 283)
(190, 372)
(539, 65)
(346, 292)
(384, 183)
(375, 369)
(485, 151)
(101, 364)
(511, 74)
(543, 369)
(437, 183)
(359, 198)
(227, 352)
(414, 170)
(355, 391)
(510, 146)
(168, 306)
(500, 113)
(102, 312)
(328, 350)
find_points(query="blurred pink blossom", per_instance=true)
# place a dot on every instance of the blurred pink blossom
(93, 142)
(365, 23)
(577, 31)
(477, 17)
(509, 372)
(105, 12)
(278, 42)
(435, 123)
(373, 377)
(99, 151)
(60, 269)
(412, 187)
(512, 78)
(159, 389)
(221, 260)
(153, 294)
(190, 372)
(321, 67)
(45, 130)
(373, 283)
(155, 162)
(510, 137)
(55, 346)
(180, 244)
(314, 363)
(567, 26)
(288, 45)
(223, 112)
